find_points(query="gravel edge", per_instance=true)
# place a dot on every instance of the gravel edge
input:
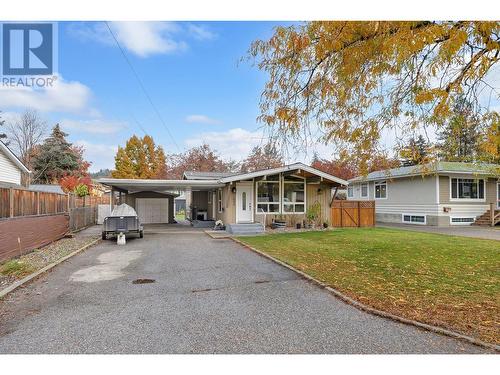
(370, 309)
(33, 276)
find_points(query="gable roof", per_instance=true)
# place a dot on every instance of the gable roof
(285, 168)
(13, 158)
(195, 175)
(427, 169)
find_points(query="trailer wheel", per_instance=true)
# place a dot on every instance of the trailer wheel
(104, 237)
(141, 234)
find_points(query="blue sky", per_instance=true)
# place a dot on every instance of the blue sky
(192, 72)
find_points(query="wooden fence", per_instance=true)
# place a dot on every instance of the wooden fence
(353, 213)
(29, 219)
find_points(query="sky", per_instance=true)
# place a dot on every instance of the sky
(192, 72)
(201, 87)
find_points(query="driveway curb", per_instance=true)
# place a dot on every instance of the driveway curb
(369, 309)
(33, 276)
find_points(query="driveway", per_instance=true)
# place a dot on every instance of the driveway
(209, 296)
(473, 231)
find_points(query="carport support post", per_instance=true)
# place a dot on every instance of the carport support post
(111, 197)
(187, 193)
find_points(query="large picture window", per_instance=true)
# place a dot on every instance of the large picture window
(294, 195)
(467, 188)
(268, 196)
(381, 190)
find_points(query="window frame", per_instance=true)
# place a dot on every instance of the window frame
(257, 203)
(367, 190)
(382, 182)
(462, 217)
(219, 201)
(351, 188)
(413, 222)
(458, 199)
(282, 197)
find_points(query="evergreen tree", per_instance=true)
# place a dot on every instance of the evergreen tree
(459, 140)
(416, 152)
(55, 158)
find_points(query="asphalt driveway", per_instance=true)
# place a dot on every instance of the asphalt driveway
(209, 296)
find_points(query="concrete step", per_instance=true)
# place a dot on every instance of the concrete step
(250, 228)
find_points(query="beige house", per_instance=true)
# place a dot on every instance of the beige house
(443, 194)
(240, 199)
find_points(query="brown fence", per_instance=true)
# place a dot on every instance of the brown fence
(353, 213)
(30, 219)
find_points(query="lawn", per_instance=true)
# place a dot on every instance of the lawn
(452, 282)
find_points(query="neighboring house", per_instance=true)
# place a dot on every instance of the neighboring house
(445, 193)
(180, 203)
(49, 188)
(11, 168)
(285, 192)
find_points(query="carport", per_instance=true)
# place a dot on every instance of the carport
(154, 199)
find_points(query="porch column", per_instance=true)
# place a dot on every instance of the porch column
(188, 203)
(111, 198)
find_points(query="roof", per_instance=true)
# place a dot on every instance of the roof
(13, 157)
(441, 167)
(46, 188)
(195, 175)
(285, 168)
(204, 182)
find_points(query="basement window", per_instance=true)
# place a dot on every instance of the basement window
(455, 220)
(414, 219)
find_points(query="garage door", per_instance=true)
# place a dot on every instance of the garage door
(152, 210)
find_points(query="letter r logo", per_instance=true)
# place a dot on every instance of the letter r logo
(27, 48)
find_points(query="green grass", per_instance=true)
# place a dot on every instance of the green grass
(180, 217)
(449, 281)
(16, 268)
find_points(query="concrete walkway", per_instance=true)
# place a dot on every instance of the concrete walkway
(208, 296)
(487, 233)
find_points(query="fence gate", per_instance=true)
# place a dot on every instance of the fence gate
(353, 213)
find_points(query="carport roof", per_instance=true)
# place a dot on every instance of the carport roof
(134, 185)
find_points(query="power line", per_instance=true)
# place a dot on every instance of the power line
(148, 97)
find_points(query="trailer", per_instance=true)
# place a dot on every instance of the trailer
(123, 221)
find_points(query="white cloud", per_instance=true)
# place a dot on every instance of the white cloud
(95, 126)
(141, 38)
(100, 155)
(201, 119)
(63, 96)
(201, 32)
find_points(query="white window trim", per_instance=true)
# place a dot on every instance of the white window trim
(465, 217)
(352, 191)
(498, 194)
(411, 222)
(367, 190)
(375, 189)
(468, 199)
(282, 197)
(219, 200)
(257, 203)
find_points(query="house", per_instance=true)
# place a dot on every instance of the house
(444, 193)
(235, 198)
(11, 168)
(180, 204)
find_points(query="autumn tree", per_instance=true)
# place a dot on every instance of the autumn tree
(140, 158)
(262, 157)
(200, 159)
(55, 158)
(347, 81)
(344, 168)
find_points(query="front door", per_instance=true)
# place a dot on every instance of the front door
(244, 199)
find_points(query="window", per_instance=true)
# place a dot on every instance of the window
(294, 195)
(268, 195)
(219, 200)
(462, 220)
(244, 201)
(381, 190)
(350, 192)
(467, 188)
(414, 219)
(364, 190)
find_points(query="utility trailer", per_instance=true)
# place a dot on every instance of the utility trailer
(122, 221)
